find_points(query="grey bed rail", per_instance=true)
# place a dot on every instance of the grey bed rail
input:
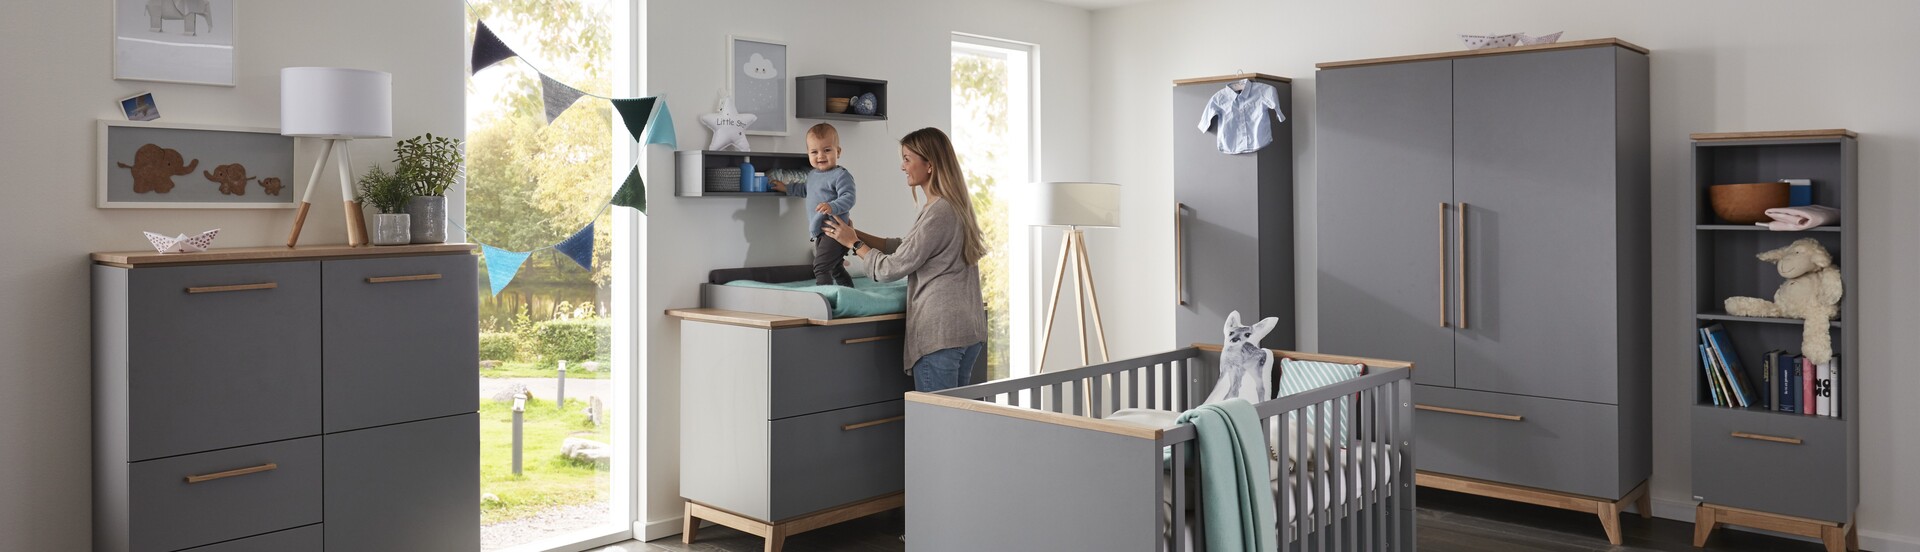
(1030, 463)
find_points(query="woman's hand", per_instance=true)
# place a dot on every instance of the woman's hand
(841, 231)
(777, 186)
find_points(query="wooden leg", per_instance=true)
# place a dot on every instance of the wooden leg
(1853, 537)
(1835, 537)
(1645, 505)
(688, 526)
(1610, 520)
(776, 538)
(1703, 524)
(1092, 296)
(1079, 299)
(1053, 305)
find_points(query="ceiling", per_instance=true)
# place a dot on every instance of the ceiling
(1098, 4)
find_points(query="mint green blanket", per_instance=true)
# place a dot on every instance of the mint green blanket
(1233, 477)
(865, 298)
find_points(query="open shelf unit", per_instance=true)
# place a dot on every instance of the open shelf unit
(1750, 462)
(811, 93)
(690, 169)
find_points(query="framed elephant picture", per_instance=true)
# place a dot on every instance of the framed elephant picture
(189, 166)
(180, 41)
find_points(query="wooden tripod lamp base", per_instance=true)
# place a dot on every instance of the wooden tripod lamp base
(356, 223)
(1074, 251)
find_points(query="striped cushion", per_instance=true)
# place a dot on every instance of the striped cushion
(1298, 376)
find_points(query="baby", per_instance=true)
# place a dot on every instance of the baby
(829, 191)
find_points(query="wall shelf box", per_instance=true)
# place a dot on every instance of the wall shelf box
(690, 171)
(1755, 467)
(811, 93)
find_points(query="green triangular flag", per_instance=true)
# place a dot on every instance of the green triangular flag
(633, 192)
(635, 112)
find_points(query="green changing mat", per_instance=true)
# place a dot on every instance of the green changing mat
(865, 298)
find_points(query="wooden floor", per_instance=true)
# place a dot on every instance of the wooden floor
(1449, 522)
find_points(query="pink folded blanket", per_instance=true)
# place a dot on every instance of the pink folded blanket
(1800, 218)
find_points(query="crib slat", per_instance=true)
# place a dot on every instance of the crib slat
(1114, 391)
(1166, 385)
(1093, 396)
(1058, 404)
(1393, 438)
(1199, 507)
(1370, 520)
(1179, 478)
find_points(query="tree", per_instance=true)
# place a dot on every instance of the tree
(980, 140)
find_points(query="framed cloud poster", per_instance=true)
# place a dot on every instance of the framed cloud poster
(187, 166)
(757, 75)
(182, 41)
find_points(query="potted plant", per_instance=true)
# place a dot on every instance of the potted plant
(427, 165)
(390, 195)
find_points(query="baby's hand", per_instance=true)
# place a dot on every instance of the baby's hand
(822, 208)
(777, 186)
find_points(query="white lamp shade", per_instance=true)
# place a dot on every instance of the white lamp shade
(1082, 204)
(334, 102)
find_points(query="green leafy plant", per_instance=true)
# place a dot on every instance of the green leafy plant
(428, 164)
(384, 191)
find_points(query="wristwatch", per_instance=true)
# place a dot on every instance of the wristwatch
(857, 244)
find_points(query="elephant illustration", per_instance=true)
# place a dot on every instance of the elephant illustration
(154, 168)
(272, 184)
(186, 11)
(232, 178)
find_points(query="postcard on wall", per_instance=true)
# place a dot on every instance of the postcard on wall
(757, 75)
(181, 41)
(183, 166)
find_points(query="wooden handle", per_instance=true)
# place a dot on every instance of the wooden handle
(1461, 233)
(862, 425)
(269, 466)
(299, 221)
(408, 278)
(1443, 265)
(859, 340)
(235, 287)
(1474, 413)
(1179, 254)
(1767, 438)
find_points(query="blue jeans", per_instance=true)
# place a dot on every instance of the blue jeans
(946, 368)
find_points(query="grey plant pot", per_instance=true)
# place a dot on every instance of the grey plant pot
(392, 229)
(429, 219)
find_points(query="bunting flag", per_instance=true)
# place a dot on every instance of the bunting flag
(635, 112)
(633, 192)
(557, 96)
(487, 48)
(502, 265)
(579, 247)
(661, 131)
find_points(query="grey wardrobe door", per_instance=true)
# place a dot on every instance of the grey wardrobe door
(412, 487)
(212, 365)
(1385, 167)
(400, 349)
(1535, 168)
(1219, 236)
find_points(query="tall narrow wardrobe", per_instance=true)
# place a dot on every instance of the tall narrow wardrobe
(1234, 217)
(1484, 214)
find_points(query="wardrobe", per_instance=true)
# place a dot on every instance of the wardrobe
(1484, 214)
(1233, 229)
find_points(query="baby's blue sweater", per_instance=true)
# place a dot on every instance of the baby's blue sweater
(833, 187)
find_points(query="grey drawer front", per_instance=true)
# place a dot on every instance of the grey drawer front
(218, 369)
(404, 350)
(818, 463)
(1807, 480)
(168, 513)
(304, 539)
(1558, 445)
(412, 487)
(815, 369)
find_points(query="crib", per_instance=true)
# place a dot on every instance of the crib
(1032, 463)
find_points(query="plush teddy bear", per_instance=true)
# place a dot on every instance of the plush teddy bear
(1811, 293)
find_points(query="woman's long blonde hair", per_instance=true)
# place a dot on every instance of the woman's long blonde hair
(948, 182)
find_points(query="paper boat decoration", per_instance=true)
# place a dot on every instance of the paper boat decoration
(182, 243)
(1526, 40)
(1479, 42)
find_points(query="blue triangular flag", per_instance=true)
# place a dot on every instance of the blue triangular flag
(579, 247)
(502, 265)
(661, 130)
(487, 48)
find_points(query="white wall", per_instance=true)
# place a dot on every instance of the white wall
(1718, 65)
(59, 79)
(904, 43)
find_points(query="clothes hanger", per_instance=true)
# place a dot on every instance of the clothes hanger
(1238, 85)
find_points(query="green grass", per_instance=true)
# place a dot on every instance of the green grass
(546, 479)
(541, 370)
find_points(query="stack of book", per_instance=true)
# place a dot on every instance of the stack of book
(1787, 382)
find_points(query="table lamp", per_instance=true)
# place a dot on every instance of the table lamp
(335, 104)
(1075, 206)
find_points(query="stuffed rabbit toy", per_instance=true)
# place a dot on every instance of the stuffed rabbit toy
(1811, 293)
(1245, 368)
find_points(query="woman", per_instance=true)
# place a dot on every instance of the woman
(946, 319)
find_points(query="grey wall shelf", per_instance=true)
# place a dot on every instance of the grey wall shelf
(690, 170)
(1804, 466)
(811, 93)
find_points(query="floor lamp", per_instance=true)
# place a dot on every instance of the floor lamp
(1075, 206)
(337, 105)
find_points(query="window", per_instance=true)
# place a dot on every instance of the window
(993, 99)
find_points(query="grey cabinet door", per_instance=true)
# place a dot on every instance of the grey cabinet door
(1534, 168)
(217, 359)
(820, 368)
(1740, 460)
(400, 349)
(210, 497)
(840, 457)
(1219, 235)
(1558, 445)
(412, 487)
(1385, 170)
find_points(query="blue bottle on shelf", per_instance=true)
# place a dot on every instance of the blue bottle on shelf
(746, 177)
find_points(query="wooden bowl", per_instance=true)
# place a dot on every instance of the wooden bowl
(1747, 203)
(838, 105)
